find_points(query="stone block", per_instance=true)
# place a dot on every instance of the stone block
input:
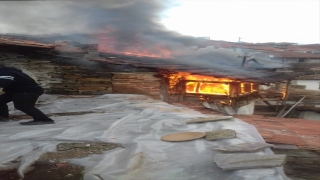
(245, 147)
(237, 161)
(220, 134)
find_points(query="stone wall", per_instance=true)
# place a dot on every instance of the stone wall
(137, 83)
(58, 78)
(61, 76)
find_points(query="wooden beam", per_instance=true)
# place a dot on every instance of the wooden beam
(285, 99)
(293, 106)
(267, 102)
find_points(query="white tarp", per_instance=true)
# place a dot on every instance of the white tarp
(137, 122)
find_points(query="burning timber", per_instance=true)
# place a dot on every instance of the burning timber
(88, 72)
(8, 42)
(127, 74)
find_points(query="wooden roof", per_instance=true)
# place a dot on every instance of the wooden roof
(309, 77)
(9, 41)
(225, 69)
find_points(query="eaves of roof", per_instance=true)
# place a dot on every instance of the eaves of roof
(9, 41)
(309, 77)
(288, 54)
(233, 71)
(259, 48)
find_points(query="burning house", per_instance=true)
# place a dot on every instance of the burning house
(130, 52)
(223, 83)
(218, 76)
(180, 82)
(113, 73)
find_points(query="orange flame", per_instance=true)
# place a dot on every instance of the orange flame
(207, 78)
(207, 85)
(207, 88)
(200, 84)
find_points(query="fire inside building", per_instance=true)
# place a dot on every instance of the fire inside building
(231, 84)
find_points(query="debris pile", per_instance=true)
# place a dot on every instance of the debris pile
(236, 159)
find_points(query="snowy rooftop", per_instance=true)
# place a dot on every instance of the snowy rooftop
(137, 122)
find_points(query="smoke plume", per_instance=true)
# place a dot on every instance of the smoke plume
(117, 25)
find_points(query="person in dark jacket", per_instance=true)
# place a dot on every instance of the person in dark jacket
(24, 92)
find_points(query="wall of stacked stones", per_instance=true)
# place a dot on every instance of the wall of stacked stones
(61, 77)
(137, 83)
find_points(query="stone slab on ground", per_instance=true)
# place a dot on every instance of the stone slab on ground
(209, 119)
(183, 136)
(235, 161)
(245, 147)
(284, 146)
(220, 134)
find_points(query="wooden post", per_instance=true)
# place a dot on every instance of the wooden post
(293, 106)
(284, 101)
(267, 102)
(234, 91)
(246, 87)
(164, 89)
(244, 59)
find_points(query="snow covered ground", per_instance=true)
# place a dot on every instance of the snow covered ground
(137, 122)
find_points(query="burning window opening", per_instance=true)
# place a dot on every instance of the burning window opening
(199, 84)
(207, 88)
(220, 91)
(248, 88)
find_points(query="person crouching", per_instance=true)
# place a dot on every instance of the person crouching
(24, 92)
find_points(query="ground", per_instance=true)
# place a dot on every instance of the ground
(136, 122)
(56, 165)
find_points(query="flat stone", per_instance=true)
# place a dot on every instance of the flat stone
(220, 134)
(285, 146)
(216, 118)
(245, 147)
(184, 136)
(248, 161)
(64, 146)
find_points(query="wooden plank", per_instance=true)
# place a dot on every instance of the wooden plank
(285, 99)
(267, 102)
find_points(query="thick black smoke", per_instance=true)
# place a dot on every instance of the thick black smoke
(69, 17)
(134, 23)
(117, 25)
